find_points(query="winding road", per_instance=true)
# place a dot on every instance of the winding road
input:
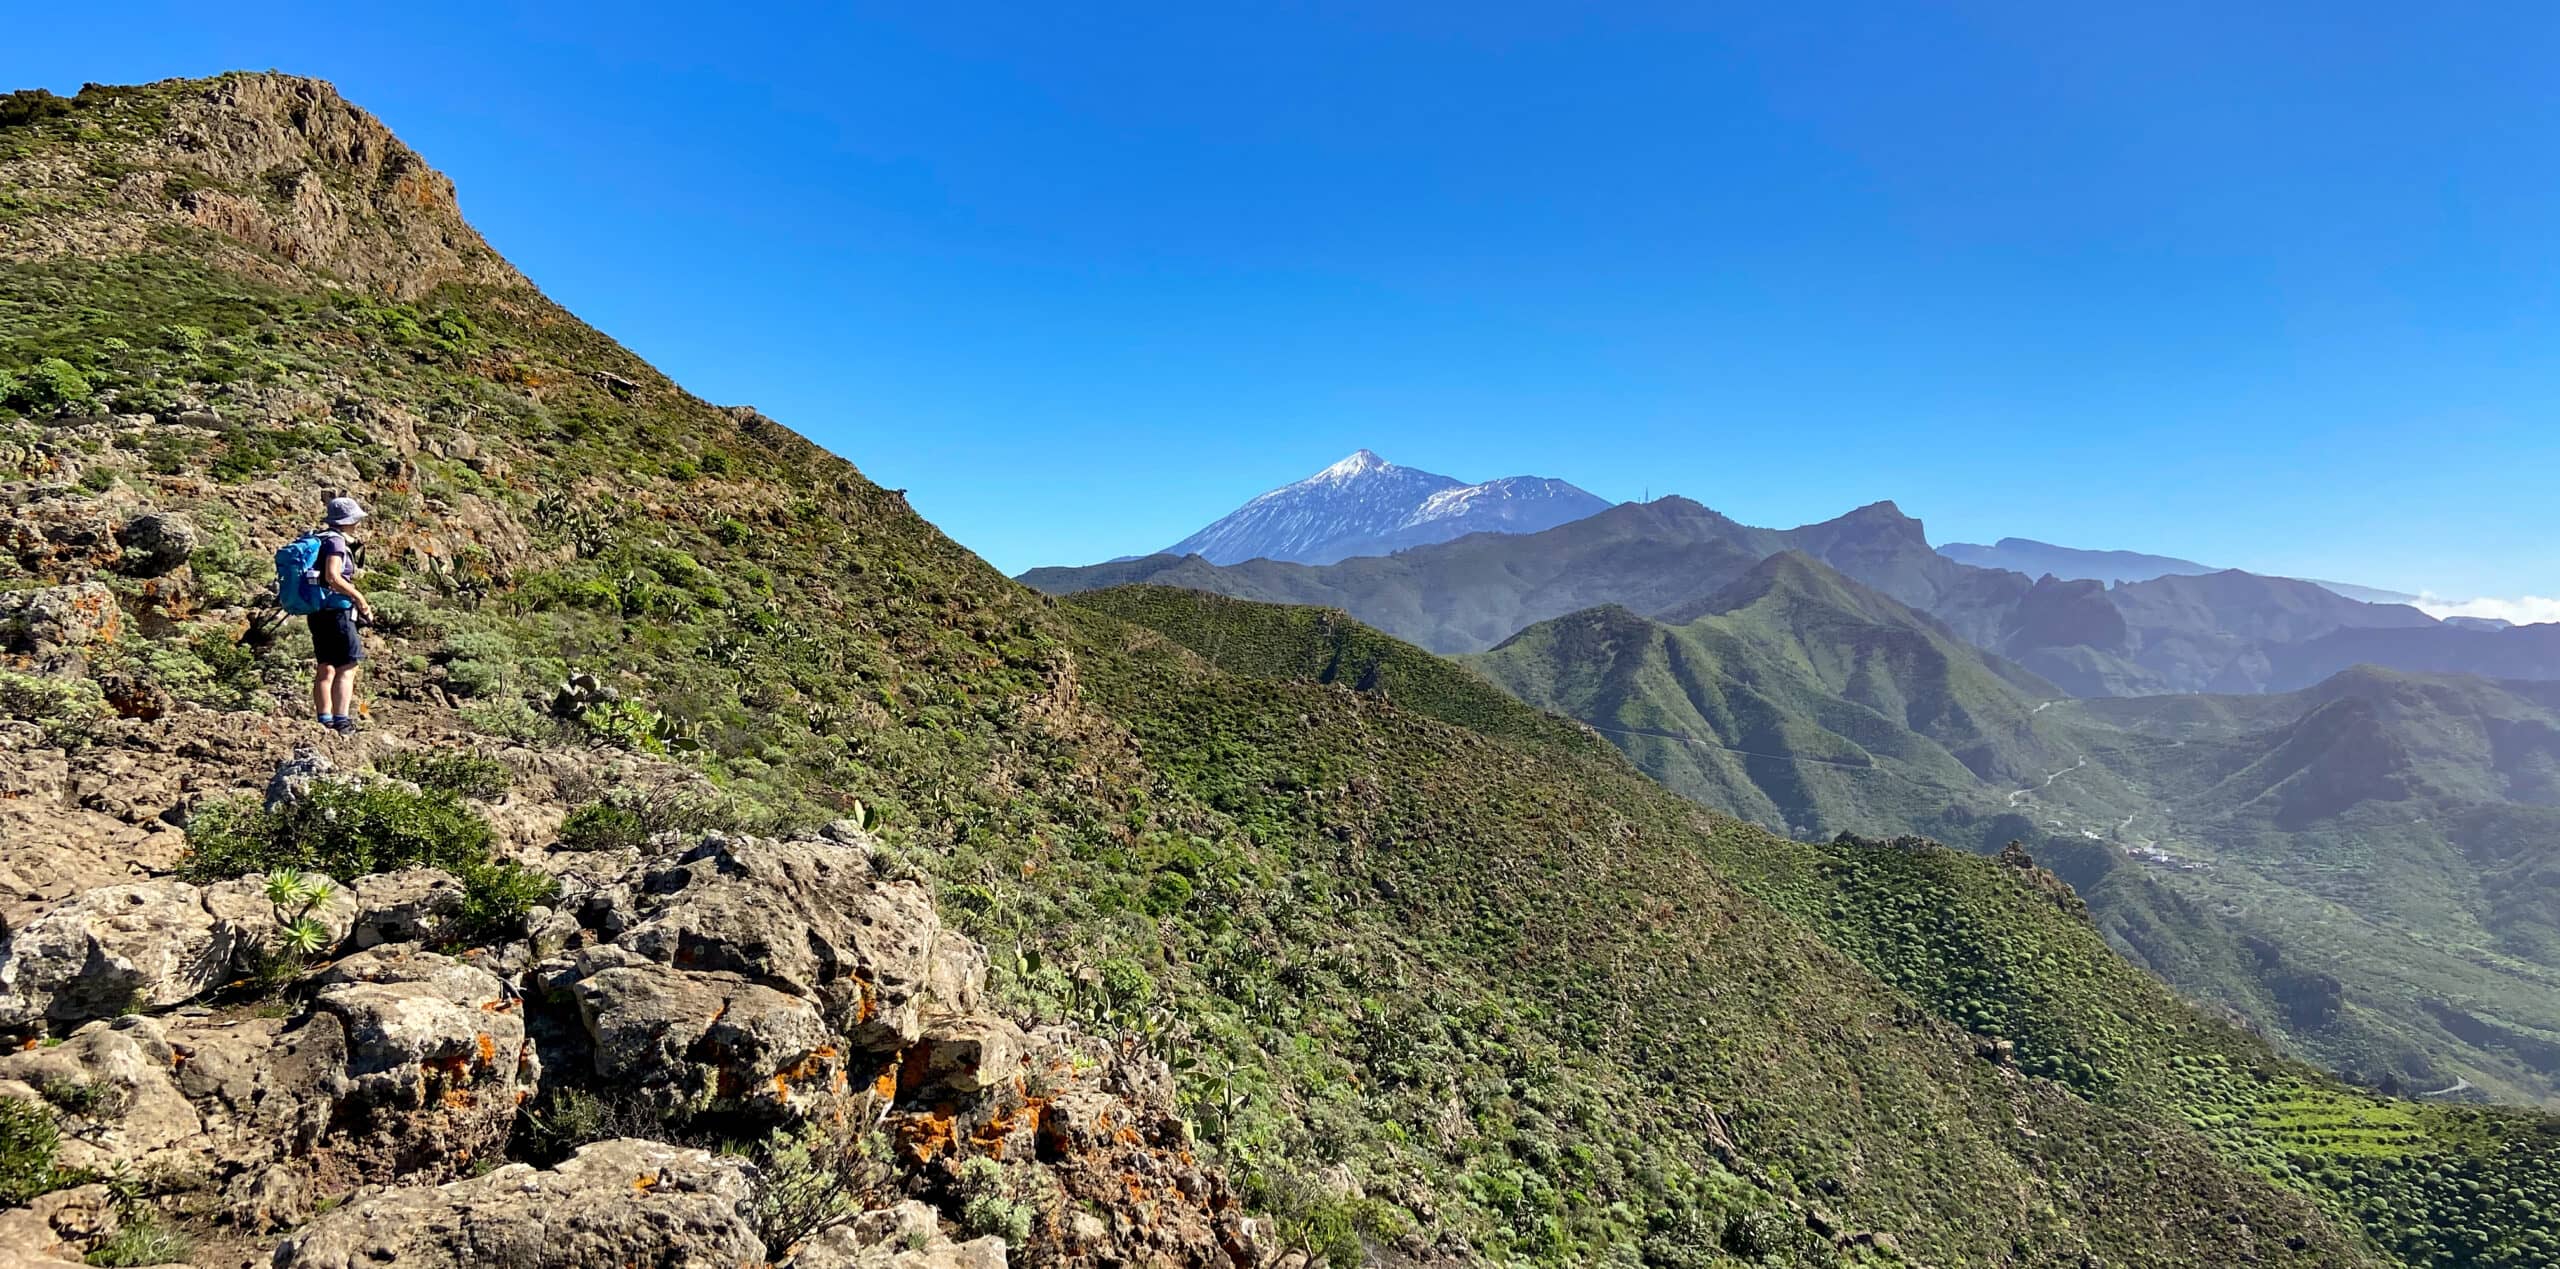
(2021, 794)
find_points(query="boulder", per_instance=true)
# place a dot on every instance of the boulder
(437, 1059)
(903, 1237)
(621, 1202)
(693, 1040)
(157, 542)
(54, 1229)
(111, 1083)
(404, 907)
(804, 917)
(111, 950)
(55, 619)
(962, 1056)
(294, 777)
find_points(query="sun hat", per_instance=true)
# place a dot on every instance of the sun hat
(345, 511)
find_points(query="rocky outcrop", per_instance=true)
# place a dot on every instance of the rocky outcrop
(740, 981)
(149, 944)
(906, 1236)
(156, 542)
(807, 917)
(51, 621)
(622, 1202)
(437, 1060)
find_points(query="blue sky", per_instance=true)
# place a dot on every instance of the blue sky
(2269, 285)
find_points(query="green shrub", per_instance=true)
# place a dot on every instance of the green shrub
(603, 826)
(988, 1206)
(51, 384)
(345, 829)
(144, 1237)
(461, 772)
(28, 1140)
(496, 897)
(817, 1174)
(35, 698)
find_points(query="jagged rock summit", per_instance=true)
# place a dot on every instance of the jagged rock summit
(1365, 505)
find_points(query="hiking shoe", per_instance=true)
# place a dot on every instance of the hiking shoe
(346, 726)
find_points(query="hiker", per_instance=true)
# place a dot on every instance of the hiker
(315, 577)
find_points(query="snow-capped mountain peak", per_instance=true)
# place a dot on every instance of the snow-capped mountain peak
(1365, 505)
(1360, 463)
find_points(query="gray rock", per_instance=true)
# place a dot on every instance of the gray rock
(123, 1112)
(695, 1040)
(157, 542)
(906, 1236)
(294, 777)
(804, 917)
(143, 945)
(436, 1058)
(54, 619)
(956, 980)
(622, 1202)
(963, 1055)
(404, 907)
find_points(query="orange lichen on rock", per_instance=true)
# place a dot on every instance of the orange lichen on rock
(927, 1135)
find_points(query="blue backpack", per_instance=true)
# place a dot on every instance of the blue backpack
(298, 585)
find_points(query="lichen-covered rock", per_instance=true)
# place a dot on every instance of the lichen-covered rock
(437, 1059)
(621, 1202)
(806, 917)
(144, 945)
(407, 906)
(55, 619)
(906, 1236)
(292, 779)
(693, 1040)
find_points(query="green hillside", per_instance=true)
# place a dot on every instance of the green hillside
(2009, 951)
(1436, 975)
(2365, 869)
(1796, 698)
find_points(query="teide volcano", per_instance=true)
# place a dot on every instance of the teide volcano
(1365, 505)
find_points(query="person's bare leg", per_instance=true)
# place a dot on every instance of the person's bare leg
(346, 692)
(323, 689)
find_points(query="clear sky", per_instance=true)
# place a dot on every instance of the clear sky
(2269, 285)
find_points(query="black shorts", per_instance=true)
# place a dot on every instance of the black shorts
(333, 637)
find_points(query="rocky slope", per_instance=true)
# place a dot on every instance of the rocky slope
(738, 871)
(1365, 505)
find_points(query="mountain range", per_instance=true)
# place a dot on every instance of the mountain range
(2036, 559)
(732, 868)
(1365, 505)
(2226, 631)
(1845, 676)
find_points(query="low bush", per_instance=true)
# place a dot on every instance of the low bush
(817, 1174)
(28, 1141)
(461, 772)
(603, 826)
(345, 829)
(38, 699)
(496, 897)
(144, 1237)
